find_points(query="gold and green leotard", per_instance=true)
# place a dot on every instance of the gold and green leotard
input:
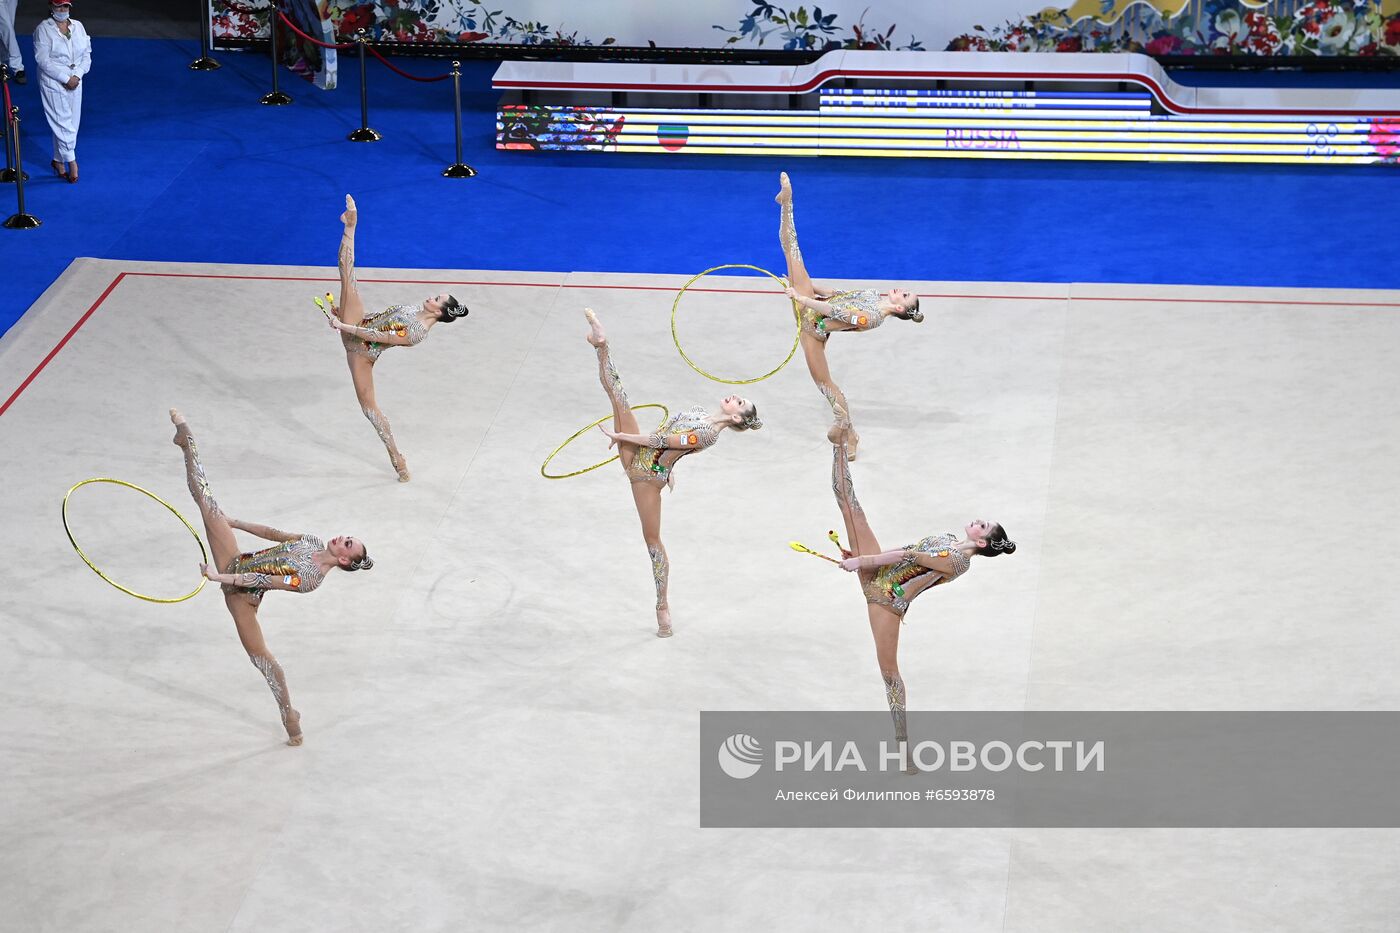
(859, 308)
(654, 463)
(291, 561)
(402, 320)
(895, 585)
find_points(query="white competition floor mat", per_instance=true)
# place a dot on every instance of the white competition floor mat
(1202, 483)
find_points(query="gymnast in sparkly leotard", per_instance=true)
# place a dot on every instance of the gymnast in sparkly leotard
(825, 312)
(365, 339)
(298, 563)
(890, 580)
(650, 459)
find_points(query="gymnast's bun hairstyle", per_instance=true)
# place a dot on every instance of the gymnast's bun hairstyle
(750, 420)
(451, 310)
(364, 563)
(911, 313)
(997, 543)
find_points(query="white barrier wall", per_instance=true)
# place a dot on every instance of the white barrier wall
(913, 105)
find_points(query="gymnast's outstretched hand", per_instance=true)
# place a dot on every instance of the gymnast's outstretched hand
(611, 434)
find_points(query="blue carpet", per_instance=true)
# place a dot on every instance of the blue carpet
(183, 166)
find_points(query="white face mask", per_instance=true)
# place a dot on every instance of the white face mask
(61, 15)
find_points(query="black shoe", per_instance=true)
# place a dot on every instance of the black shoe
(21, 77)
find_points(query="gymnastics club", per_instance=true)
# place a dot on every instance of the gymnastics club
(835, 539)
(806, 550)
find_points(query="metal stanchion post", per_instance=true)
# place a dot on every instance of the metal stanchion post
(204, 62)
(20, 220)
(276, 97)
(364, 134)
(11, 162)
(458, 169)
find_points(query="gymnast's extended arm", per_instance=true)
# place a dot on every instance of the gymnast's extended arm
(845, 320)
(258, 581)
(943, 565)
(936, 562)
(266, 532)
(691, 441)
(386, 338)
(821, 307)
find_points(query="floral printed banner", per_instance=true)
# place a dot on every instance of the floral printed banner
(1199, 27)
(1156, 27)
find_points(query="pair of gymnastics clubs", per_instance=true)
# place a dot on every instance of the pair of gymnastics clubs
(803, 549)
(329, 300)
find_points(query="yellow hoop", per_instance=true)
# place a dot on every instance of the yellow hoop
(734, 382)
(118, 482)
(666, 413)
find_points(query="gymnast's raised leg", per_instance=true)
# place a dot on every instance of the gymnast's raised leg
(813, 343)
(884, 621)
(645, 493)
(351, 310)
(224, 546)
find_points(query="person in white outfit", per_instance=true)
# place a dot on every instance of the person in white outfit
(9, 45)
(63, 55)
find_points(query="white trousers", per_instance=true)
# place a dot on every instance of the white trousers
(63, 108)
(8, 43)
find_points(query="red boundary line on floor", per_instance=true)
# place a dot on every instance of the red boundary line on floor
(122, 276)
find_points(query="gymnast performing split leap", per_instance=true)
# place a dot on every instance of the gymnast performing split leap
(650, 459)
(891, 579)
(365, 340)
(825, 312)
(298, 563)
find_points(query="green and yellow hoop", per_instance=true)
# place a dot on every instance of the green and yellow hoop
(665, 413)
(796, 337)
(204, 554)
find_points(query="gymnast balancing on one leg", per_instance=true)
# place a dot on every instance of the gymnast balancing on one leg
(298, 563)
(826, 312)
(650, 459)
(891, 579)
(365, 340)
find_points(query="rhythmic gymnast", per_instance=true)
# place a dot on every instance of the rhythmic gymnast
(298, 563)
(650, 459)
(825, 312)
(365, 340)
(891, 579)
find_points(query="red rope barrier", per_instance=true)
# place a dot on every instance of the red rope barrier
(314, 41)
(344, 45)
(7, 102)
(394, 68)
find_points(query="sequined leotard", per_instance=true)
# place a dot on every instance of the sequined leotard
(895, 586)
(655, 462)
(860, 309)
(291, 560)
(400, 319)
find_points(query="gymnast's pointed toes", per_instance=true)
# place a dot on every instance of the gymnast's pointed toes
(596, 336)
(292, 723)
(182, 430)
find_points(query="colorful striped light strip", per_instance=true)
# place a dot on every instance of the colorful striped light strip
(984, 134)
(790, 118)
